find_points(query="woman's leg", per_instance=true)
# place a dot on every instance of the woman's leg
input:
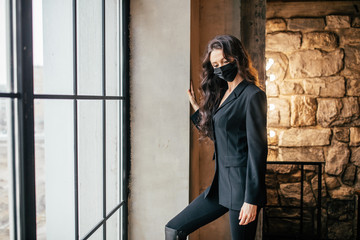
(242, 232)
(198, 213)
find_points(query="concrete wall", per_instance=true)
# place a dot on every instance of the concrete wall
(159, 78)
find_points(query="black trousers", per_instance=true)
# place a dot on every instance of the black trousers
(203, 211)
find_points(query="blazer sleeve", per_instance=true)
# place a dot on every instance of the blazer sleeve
(195, 118)
(256, 113)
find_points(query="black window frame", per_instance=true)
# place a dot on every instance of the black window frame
(24, 98)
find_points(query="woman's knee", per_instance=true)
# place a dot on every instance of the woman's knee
(172, 233)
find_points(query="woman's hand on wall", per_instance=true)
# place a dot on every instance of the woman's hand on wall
(247, 213)
(192, 97)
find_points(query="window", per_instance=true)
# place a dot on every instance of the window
(64, 128)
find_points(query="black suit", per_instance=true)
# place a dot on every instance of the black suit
(240, 141)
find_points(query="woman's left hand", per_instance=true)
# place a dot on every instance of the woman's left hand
(247, 213)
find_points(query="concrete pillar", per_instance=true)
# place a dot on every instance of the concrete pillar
(159, 78)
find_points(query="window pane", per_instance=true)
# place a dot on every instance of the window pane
(113, 186)
(90, 143)
(98, 235)
(113, 227)
(54, 161)
(6, 161)
(4, 46)
(53, 46)
(112, 47)
(89, 35)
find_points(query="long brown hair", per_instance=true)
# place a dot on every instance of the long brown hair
(211, 86)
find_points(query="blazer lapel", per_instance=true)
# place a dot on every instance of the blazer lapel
(234, 94)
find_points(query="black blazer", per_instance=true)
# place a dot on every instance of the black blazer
(240, 141)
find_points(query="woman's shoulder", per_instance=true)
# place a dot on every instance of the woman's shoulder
(252, 89)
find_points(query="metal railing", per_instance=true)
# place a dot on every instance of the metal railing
(301, 207)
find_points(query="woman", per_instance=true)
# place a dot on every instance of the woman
(232, 114)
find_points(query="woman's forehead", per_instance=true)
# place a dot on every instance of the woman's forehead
(217, 55)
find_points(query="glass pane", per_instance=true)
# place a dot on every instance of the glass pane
(53, 46)
(6, 168)
(113, 188)
(122, 139)
(5, 63)
(89, 35)
(90, 154)
(112, 47)
(54, 161)
(113, 227)
(98, 235)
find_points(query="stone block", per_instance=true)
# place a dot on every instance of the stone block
(343, 193)
(349, 175)
(331, 182)
(272, 155)
(354, 136)
(341, 134)
(283, 41)
(353, 87)
(352, 57)
(275, 25)
(336, 157)
(292, 191)
(278, 112)
(272, 196)
(303, 111)
(272, 137)
(288, 178)
(355, 156)
(349, 112)
(348, 36)
(325, 87)
(324, 40)
(306, 24)
(315, 63)
(356, 22)
(337, 21)
(311, 154)
(328, 110)
(297, 137)
(272, 89)
(315, 183)
(340, 230)
(290, 88)
(278, 68)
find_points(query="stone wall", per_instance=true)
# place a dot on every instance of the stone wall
(313, 89)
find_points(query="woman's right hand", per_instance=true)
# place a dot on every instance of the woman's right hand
(192, 97)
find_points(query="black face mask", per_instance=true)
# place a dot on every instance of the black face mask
(227, 72)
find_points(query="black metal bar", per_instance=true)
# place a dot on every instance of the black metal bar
(296, 162)
(301, 207)
(75, 96)
(104, 113)
(319, 202)
(24, 51)
(358, 215)
(11, 48)
(122, 204)
(290, 207)
(125, 16)
(9, 95)
(302, 201)
(75, 92)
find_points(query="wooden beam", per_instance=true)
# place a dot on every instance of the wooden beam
(253, 24)
(311, 8)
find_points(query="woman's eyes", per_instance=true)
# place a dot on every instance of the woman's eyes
(225, 61)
